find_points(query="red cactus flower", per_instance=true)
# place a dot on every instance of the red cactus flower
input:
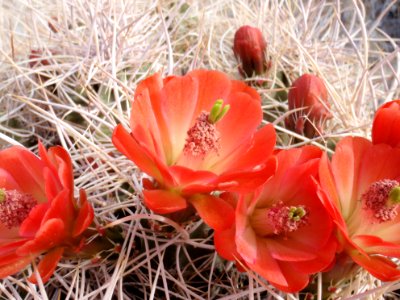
(38, 212)
(308, 98)
(194, 135)
(361, 189)
(282, 232)
(386, 125)
(250, 50)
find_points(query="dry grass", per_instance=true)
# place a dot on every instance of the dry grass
(96, 55)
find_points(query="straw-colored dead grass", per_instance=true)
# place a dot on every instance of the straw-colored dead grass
(97, 51)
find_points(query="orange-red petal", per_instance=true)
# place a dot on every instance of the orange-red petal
(59, 163)
(241, 87)
(375, 245)
(212, 85)
(296, 281)
(7, 181)
(178, 103)
(127, 144)
(14, 264)
(248, 181)
(247, 113)
(85, 215)
(53, 185)
(163, 201)
(246, 239)
(61, 208)
(378, 162)
(50, 234)
(62, 163)
(214, 211)
(225, 245)
(265, 265)
(33, 222)
(345, 166)
(47, 265)
(327, 191)
(379, 266)
(262, 146)
(324, 258)
(9, 247)
(26, 169)
(290, 250)
(193, 181)
(146, 112)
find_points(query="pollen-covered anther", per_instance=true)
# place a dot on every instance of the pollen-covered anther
(378, 200)
(202, 138)
(15, 207)
(285, 219)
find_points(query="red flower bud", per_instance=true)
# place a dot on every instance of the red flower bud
(386, 125)
(250, 49)
(308, 97)
(36, 59)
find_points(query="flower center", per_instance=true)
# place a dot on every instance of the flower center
(203, 137)
(279, 219)
(15, 207)
(287, 219)
(382, 199)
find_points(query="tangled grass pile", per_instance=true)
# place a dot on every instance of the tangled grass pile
(68, 73)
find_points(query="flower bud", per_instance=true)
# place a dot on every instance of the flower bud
(250, 49)
(386, 125)
(36, 59)
(44, 64)
(308, 98)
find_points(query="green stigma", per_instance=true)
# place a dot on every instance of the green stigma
(394, 195)
(218, 111)
(2, 195)
(296, 213)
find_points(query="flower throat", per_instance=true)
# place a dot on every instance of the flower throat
(203, 137)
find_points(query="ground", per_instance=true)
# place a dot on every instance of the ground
(69, 69)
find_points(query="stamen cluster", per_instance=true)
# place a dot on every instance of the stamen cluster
(285, 219)
(202, 137)
(15, 207)
(376, 199)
